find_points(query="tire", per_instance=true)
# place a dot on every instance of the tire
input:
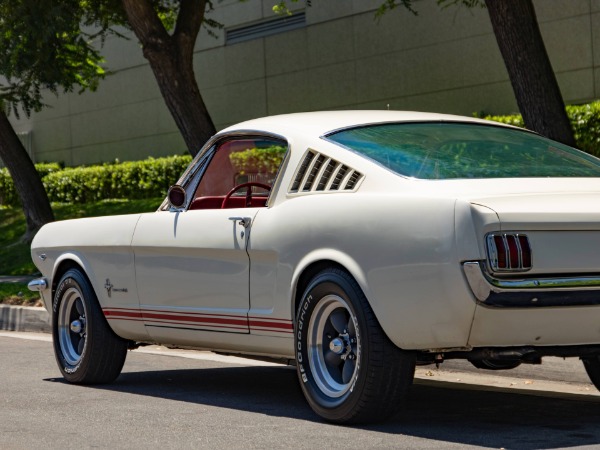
(592, 367)
(349, 370)
(87, 350)
(492, 364)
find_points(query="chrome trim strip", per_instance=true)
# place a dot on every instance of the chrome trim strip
(483, 284)
(37, 285)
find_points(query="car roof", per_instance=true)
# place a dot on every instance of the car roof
(323, 122)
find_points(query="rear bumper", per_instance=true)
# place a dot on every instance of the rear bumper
(531, 292)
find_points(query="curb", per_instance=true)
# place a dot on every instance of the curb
(16, 279)
(24, 318)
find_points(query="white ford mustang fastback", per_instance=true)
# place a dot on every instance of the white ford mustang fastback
(352, 244)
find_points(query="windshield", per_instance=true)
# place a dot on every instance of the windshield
(446, 150)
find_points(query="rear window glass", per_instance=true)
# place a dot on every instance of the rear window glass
(458, 150)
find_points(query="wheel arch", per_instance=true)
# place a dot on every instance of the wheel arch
(69, 261)
(315, 263)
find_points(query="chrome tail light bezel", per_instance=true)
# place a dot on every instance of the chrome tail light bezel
(501, 259)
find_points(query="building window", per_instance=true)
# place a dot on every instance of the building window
(264, 28)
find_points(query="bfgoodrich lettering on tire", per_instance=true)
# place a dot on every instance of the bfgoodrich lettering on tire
(86, 349)
(350, 372)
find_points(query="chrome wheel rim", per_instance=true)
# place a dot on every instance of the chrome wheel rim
(72, 330)
(333, 346)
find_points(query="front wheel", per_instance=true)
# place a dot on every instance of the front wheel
(87, 350)
(349, 370)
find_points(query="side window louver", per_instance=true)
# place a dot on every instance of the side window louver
(319, 173)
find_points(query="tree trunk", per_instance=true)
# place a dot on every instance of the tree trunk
(531, 75)
(171, 59)
(26, 179)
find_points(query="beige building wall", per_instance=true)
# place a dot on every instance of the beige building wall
(442, 60)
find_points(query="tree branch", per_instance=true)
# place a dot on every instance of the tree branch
(146, 24)
(187, 27)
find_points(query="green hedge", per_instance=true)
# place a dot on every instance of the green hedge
(8, 195)
(134, 180)
(585, 120)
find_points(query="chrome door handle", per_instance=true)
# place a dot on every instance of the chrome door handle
(243, 221)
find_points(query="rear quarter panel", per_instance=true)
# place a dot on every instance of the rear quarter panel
(401, 250)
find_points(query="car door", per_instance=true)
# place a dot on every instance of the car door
(192, 270)
(192, 267)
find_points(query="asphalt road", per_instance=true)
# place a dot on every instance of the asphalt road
(194, 400)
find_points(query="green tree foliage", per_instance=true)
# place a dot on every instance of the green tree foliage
(258, 160)
(45, 44)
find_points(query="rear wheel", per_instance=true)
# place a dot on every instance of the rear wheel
(349, 370)
(592, 367)
(87, 350)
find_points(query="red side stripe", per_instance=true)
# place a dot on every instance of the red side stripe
(263, 323)
(111, 313)
(229, 321)
(193, 319)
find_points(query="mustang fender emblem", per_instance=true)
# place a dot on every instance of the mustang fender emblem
(110, 288)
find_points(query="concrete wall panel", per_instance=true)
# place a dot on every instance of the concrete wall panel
(400, 30)
(127, 86)
(129, 149)
(244, 61)
(323, 50)
(568, 43)
(122, 53)
(595, 26)
(236, 102)
(328, 10)
(209, 68)
(548, 10)
(288, 53)
(115, 124)
(463, 101)
(267, 7)
(333, 86)
(52, 135)
(57, 106)
(576, 86)
(446, 66)
(288, 92)
(63, 156)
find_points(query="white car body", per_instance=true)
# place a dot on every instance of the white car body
(417, 249)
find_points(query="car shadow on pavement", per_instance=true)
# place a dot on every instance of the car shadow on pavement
(496, 417)
(434, 410)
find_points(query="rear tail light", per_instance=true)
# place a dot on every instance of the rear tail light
(508, 252)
